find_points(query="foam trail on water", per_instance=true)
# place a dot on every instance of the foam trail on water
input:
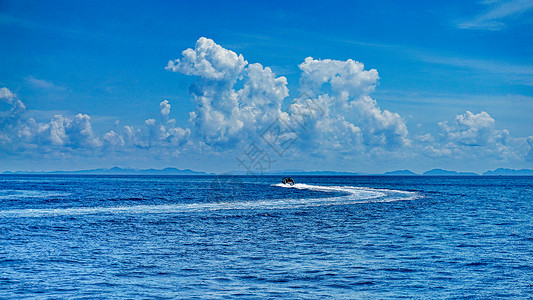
(20, 194)
(352, 195)
(355, 194)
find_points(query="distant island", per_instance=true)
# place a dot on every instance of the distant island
(120, 171)
(176, 171)
(400, 173)
(501, 171)
(440, 172)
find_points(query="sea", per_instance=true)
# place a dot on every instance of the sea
(251, 237)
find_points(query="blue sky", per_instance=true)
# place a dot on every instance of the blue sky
(398, 85)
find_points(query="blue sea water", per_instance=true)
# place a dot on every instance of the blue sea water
(367, 237)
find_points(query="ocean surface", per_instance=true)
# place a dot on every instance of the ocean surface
(327, 237)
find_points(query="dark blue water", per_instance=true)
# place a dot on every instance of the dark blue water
(246, 237)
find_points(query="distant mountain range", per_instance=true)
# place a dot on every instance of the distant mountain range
(400, 173)
(175, 171)
(502, 171)
(440, 172)
(120, 171)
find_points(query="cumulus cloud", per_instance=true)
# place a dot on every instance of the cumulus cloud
(55, 131)
(113, 139)
(347, 78)
(19, 132)
(13, 127)
(237, 103)
(6, 95)
(225, 115)
(154, 134)
(210, 61)
(471, 136)
(529, 155)
(164, 109)
(335, 110)
(472, 129)
(346, 117)
(240, 104)
(81, 133)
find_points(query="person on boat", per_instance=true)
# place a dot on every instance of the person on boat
(287, 180)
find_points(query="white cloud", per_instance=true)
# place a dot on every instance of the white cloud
(13, 127)
(55, 131)
(474, 136)
(210, 61)
(18, 131)
(62, 133)
(335, 113)
(349, 119)
(347, 78)
(529, 155)
(134, 137)
(164, 109)
(519, 74)
(81, 132)
(471, 129)
(42, 84)
(381, 127)
(6, 95)
(69, 132)
(153, 135)
(494, 18)
(239, 103)
(337, 110)
(113, 139)
(224, 115)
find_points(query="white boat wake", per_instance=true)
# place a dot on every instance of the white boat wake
(351, 195)
(355, 194)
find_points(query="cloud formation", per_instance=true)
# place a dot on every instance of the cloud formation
(240, 104)
(471, 130)
(21, 133)
(210, 61)
(474, 136)
(225, 115)
(499, 11)
(6, 95)
(42, 84)
(342, 90)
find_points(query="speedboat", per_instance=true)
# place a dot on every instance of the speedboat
(287, 180)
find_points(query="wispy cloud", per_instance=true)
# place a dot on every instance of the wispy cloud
(43, 84)
(494, 18)
(518, 74)
(512, 73)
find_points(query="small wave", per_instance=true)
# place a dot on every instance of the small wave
(21, 194)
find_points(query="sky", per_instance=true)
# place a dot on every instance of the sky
(220, 86)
